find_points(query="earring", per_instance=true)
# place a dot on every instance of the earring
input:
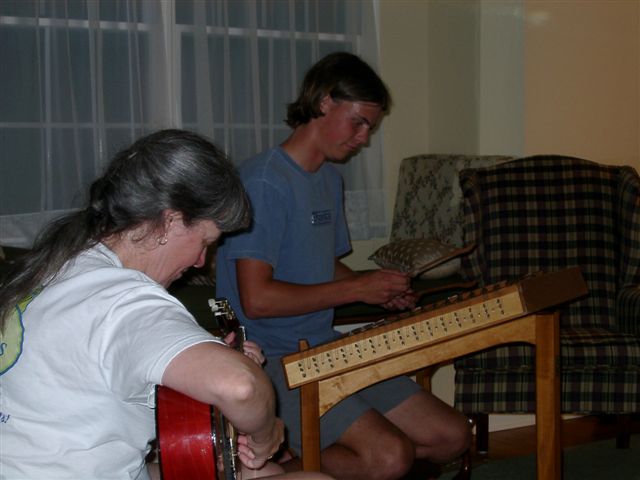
(162, 240)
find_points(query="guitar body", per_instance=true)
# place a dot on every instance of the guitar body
(185, 432)
(195, 441)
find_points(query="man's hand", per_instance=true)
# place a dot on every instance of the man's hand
(385, 287)
(402, 302)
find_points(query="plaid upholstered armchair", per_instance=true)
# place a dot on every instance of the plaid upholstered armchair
(549, 213)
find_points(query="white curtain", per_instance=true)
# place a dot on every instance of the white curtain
(83, 78)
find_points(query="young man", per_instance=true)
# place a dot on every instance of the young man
(284, 278)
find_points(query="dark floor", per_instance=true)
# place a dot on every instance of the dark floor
(522, 441)
(575, 431)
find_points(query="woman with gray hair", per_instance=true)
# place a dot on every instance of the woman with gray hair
(89, 330)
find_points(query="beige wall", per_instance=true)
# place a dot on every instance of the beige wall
(582, 77)
(403, 66)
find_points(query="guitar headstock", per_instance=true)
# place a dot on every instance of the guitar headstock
(227, 320)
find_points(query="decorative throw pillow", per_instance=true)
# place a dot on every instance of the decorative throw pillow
(419, 255)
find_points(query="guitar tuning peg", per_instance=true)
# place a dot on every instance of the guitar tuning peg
(213, 304)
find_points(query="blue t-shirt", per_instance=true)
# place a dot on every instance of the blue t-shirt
(299, 229)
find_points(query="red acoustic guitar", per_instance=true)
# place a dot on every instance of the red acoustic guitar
(195, 441)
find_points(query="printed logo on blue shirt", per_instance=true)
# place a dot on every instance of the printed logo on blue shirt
(321, 217)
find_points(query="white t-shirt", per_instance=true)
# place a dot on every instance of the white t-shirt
(81, 362)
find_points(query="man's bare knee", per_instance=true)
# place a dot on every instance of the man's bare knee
(454, 441)
(395, 460)
(388, 459)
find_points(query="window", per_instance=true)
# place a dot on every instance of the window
(84, 78)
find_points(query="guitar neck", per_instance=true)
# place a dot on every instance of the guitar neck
(241, 337)
(228, 322)
(225, 436)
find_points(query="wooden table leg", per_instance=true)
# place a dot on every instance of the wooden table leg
(309, 422)
(310, 427)
(548, 422)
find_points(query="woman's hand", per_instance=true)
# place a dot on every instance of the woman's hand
(249, 348)
(254, 451)
(253, 351)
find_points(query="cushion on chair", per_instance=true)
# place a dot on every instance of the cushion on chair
(502, 380)
(581, 347)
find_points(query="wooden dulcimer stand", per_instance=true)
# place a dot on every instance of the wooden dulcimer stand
(490, 316)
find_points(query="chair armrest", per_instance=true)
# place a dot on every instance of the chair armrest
(628, 309)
